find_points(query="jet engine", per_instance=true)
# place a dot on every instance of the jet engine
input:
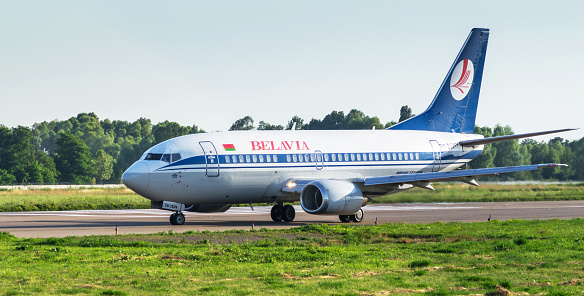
(331, 197)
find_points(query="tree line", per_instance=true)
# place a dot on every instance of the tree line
(87, 150)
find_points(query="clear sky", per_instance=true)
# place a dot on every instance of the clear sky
(210, 63)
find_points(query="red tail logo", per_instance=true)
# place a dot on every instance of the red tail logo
(461, 79)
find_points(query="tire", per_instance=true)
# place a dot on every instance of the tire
(358, 217)
(345, 218)
(288, 213)
(276, 213)
(180, 219)
(177, 219)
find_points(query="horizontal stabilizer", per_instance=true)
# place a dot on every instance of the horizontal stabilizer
(453, 175)
(510, 137)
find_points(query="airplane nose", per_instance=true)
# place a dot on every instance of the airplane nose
(137, 177)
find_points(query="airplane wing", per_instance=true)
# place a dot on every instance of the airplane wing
(491, 140)
(460, 175)
(465, 176)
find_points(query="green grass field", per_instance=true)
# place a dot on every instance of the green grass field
(527, 257)
(122, 198)
(71, 199)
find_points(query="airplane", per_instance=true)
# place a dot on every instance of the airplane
(333, 172)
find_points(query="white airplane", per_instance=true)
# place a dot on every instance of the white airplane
(330, 172)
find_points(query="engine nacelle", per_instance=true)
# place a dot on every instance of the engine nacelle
(331, 197)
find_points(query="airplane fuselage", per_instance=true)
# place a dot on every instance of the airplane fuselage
(254, 166)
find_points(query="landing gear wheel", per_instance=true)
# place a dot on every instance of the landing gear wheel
(288, 213)
(358, 217)
(276, 213)
(177, 219)
(345, 218)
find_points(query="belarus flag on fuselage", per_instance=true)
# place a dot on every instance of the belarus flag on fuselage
(229, 147)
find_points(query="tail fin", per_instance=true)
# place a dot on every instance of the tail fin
(454, 107)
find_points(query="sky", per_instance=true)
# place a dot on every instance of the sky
(210, 63)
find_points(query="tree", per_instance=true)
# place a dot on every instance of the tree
(168, 130)
(405, 112)
(103, 165)
(299, 123)
(73, 160)
(242, 124)
(264, 126)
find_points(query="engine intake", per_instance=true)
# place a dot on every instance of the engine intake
(331, 197)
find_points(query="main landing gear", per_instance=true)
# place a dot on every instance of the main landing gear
(357, 217)
(284, 213)
(177, 218)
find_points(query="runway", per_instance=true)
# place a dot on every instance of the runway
(78, 223)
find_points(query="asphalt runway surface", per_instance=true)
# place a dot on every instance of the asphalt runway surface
(78, 223)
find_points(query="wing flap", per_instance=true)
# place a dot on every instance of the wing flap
(453, 175)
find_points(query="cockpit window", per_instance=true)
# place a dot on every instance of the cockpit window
(170, 157)
(163, 157)
(153, 156)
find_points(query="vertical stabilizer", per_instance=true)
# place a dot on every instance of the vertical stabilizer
(454, 107)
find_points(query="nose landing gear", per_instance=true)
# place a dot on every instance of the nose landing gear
(177, 218)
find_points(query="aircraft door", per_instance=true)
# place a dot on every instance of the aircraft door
(319, 159)
(211, 158)
(436, 155)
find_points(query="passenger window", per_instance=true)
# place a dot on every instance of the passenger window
(394, 156)
(294, 157)
(312, 157)
(382, 155)
(300, 158)
(346, 157)
(268, 158)
(399, 156)
(241, 158)
(288, 158)
(326, 157)
(358, 157)
(376, 156)
(417, 156)
(234, 158)
(247, 158)
(352, 157)
(405, 156)
(334, 157)
(340, 157)
(319, 157)
(411, 156)
(227, 159)
(275, 158)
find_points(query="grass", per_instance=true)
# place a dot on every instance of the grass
(122, 198)
(456, 192)
(71, 199)
(532, 257)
